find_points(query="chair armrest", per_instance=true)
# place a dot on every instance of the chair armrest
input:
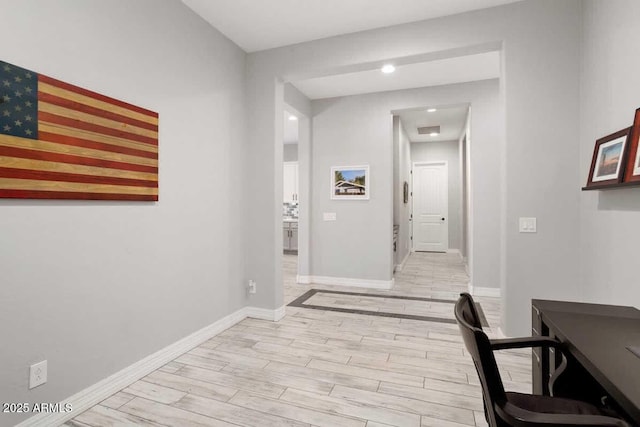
(519, 417)
(524, 342)
(539, 341)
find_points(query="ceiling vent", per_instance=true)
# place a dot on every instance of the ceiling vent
(428, 130)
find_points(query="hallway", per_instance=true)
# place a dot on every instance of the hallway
(329, 368)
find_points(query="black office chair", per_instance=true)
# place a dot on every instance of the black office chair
(518, 409)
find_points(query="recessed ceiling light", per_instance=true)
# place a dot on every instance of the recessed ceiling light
(431, 110)
(388, 69)
(292, 117)
(434, 134)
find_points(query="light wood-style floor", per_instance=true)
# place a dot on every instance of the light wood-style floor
(325, 368)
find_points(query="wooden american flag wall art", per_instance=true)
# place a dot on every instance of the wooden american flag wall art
(59, 141)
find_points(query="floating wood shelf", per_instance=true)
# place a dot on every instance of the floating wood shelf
(612, 186)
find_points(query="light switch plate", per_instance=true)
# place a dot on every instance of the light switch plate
(329, 216)
(528, 225)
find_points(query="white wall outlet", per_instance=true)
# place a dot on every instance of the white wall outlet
(37, 374)
(528, 225)
(329, 216)
(252, 286)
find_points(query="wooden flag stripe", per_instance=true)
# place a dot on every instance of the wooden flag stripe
(72, 177)
(79, 142)
(88, 146)
(95, 95)
(74, 187)
(51, 147)
(95, 120)
(54, 118)
(93, 102)
(76, 106)
(61, 195)
(95, 137)
(73, 160)
(42, 165)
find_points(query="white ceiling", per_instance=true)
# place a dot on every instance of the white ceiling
(451, 120)
(263, 24)
(434, 73)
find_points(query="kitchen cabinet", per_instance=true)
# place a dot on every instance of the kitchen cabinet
(290, 182)
(290, 236)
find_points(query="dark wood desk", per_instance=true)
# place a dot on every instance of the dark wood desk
(596, 337)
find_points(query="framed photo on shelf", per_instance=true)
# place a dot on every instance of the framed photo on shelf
(350, 182)
(632, 172)
(609, 157)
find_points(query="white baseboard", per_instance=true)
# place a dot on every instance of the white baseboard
(484, 292)
(99, 391)
(347, 281)
(266, 314)
(454, 251)
(303, 280)
(400, 266)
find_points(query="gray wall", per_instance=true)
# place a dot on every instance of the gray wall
(445, 151)
(354, 130)
(531, 89)
(401, 174)
(359, 130)
(94, 286)
(290, 153)
(610, 87)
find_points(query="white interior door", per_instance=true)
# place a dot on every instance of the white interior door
(430, 207)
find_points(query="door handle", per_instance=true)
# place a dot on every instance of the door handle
(443, 219)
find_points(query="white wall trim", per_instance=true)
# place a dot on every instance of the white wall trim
(400, 266)
(347, 281)
(484, 292)
(265, 313)
(99, 391)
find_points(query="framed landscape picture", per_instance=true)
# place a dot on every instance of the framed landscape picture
(609, 155)
(350, 182)
(632, 172)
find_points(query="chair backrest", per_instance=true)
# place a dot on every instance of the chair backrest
(479, 347)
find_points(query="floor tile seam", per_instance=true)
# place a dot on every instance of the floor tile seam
(433, 402)
(196, 394)
(179, 408)
(134, 415)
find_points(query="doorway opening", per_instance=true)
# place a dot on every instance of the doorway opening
(431, 181)
(290, 195)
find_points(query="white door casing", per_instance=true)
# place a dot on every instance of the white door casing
(430, 206)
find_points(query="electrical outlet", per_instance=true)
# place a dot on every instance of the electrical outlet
(37, 374)
(252, 286)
